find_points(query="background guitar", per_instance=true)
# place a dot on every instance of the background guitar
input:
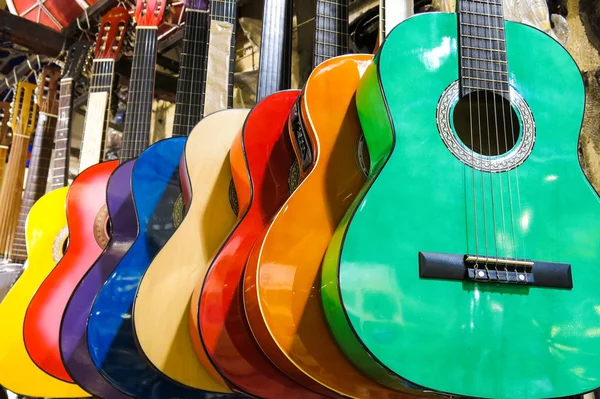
(166, 289)
(4, 138)
(442, 187)
(18, 373)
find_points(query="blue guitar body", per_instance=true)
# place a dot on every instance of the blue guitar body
(111, 338)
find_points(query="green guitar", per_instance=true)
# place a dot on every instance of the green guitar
(470, 263)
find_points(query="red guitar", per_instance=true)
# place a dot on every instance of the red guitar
(219, 329)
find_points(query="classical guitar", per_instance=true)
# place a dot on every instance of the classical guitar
(158, 205)
(4, 138)
(283, 269)
(41, 152)
(161, 306)
(472, 248)
(18, 372)
(45, 312)
(220, 333)
(128, 373)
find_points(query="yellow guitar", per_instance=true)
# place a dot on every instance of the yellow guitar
(18, 373)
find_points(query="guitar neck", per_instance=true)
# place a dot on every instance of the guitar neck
(138, 117)
(97, 114)
(224, 12)
(331, 30)
(191, 86)
(483, 62)
(275, 67)
(62, 139)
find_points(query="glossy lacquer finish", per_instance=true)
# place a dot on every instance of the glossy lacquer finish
(162, 304)
(44, 314)
(18, 372)
(480, 340)
(282, 278)
(83, 274)
(261, 157)
(110, 327)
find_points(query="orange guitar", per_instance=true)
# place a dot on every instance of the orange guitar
(281, 286)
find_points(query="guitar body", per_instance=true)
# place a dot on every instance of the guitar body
(261, 157)
(111, 340)
(444, 334)
(18, 372)
(162, 304)
(284, 268)
(45, 311)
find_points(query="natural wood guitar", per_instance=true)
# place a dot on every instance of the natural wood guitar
(24, 118)
(18, 372)
(4, 139)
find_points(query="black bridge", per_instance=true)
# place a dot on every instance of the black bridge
(494, 270)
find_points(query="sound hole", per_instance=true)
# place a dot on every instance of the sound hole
(65, 245)
(486, 123)
(108, 228)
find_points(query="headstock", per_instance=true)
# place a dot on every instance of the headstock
(24, 109)
(112, 33)
(4, 122)
(76, 60)
(197, 4)
(47, 89)
(149, 13)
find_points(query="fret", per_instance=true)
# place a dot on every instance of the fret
(483, 70)
(482, 26)
(483, 87)
(484, 49)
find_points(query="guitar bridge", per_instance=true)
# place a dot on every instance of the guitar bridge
(494, 270)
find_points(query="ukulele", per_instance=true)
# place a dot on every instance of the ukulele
(4, 137)
(219, 330)
(326, 134)
(464, 255)
(18, 372)
(45, 312)
(161, 304)
(41, 152)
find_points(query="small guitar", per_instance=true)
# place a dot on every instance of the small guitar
(41, 152)
(161, 307)
(18, 372)
(473, 247)
(219, 329)
(4, 138)
(326, 134)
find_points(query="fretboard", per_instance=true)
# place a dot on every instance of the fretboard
(96, 117)
(62, 139)
(136, 130)
(482, 46)
(274, 71)
(331, 30)
(226, 11)
(191, 86)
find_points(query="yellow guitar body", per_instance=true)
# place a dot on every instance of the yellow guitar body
(162, 307)
(46, 234)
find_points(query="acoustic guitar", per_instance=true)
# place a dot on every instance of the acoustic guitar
(18, 372)
(47, 235)
(158, 203)
(283, 271)
(161, 306)
(4, 137)
(219, 330)
(473, 246)
(45, 312)
(51, 115)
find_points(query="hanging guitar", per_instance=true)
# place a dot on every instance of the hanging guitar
(44, 315)
(474, 242)
(18, 372)
(326, 134)
(161, 307)
(4, 138)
